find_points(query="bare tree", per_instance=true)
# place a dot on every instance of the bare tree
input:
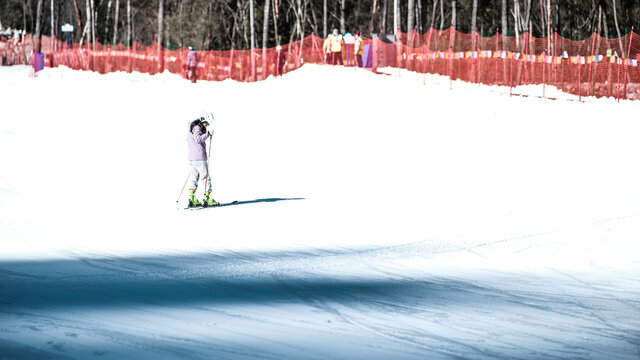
(385, 5)
(474, 15)
(106, 23)
(503, 22)
(78, 17)
(53, 25)
(253, 40)
(265, 27)
(419, 16)
(129, 24)
(374, 12)
(343, 26)
(410, 15)
(441, 14)
(516, 20)
(396, 20)
(265, 36)
(115, 22)
(433, 12)
(324, 18)
(453, 13)
(615, 19)
(160, 23)
(38, 27)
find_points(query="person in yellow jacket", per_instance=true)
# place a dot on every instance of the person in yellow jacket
(336, 47)
(359, 48)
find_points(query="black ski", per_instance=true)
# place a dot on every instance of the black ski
(212, 206)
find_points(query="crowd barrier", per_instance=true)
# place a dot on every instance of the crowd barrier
(595, 66)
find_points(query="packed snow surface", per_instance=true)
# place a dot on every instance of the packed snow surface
(396, 216)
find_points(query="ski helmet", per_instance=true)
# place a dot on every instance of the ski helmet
(207, 116)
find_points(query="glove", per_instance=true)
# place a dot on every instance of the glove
(210, 132)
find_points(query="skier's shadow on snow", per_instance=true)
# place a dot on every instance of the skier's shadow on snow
(266, 200)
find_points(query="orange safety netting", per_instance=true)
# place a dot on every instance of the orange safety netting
(596, 66)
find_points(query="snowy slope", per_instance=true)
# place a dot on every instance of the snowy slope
(380, 216)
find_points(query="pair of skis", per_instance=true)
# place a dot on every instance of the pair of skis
(211, 206)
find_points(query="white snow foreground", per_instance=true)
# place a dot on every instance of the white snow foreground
(379, 217)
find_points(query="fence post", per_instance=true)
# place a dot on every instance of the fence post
(426, 65)
(511, 75)
(494, 56)
(451, 56)
(553, 61)
(618, 62)
(627, 64)
(593, 64)
(544, 73)
(579, 79)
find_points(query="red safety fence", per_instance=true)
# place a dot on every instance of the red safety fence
(593, 67)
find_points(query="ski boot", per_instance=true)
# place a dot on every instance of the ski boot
(193, 202)
(208, 200)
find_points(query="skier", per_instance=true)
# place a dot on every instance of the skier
(198, 161)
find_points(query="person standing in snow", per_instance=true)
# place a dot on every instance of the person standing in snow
(359, 48)
(326, 49)
(192, 65)
(336, 47)
(196, 140)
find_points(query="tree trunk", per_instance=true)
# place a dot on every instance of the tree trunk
(265, 26)
(503, 22)
(93, 23)
(160, 24)
(253, 40)
(615, 19)
(419, 17)
(106, 23)
(396, 22)
(453, 13)
(441, 14)
(265, 37)
(385, 6)
(115, 23)
(542, 20)
(129, 25)
(516, 20)
(433, 12)
(38, 27)
(526, 19)
(88, 22)
(160, 35)
(78, 17)
(410, 16)
(324, 19)
(452, 41)
(343, 27)
(374, 12)
(474, 16)
(275, 22)
(53, 24)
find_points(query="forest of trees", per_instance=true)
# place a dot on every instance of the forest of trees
(225, 24)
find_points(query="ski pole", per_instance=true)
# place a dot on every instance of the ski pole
(208, 156)
(183, 186)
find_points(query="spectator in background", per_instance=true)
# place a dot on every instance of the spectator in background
(326, 48)
(192, 65)
(359, 48)
(336, 47)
